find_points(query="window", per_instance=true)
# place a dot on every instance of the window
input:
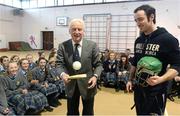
(41, 3)
(60, 2)
(88, 1)
(49, 2)
(68, 2)
(98, 1)
(1, 1)
(8, 2)
(111, 0)
(17, 3)
(25, 4)
(78, 1)
(44, 3)
(33, 3)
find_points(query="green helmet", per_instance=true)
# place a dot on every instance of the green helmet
(147, 66)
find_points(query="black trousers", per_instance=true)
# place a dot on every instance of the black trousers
(148, 103)
(73, 104)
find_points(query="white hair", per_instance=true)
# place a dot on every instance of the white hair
(76, 20)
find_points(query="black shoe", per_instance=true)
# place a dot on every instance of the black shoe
(170, 97)
(125, 91)
(53, 104)
(30, 111)
(62, 96)
(105, 84)
(117, 90)
(48, 108)
(98, 87)
(58, 103)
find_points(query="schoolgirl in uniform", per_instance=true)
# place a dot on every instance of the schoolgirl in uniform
(40, 82)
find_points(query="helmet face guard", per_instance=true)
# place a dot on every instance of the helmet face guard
(147, 67)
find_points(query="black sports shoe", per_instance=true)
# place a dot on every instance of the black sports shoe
(53, 104)
(59, 103)
(170, 97)
(117, 90)
(48, 108)
(30, 111)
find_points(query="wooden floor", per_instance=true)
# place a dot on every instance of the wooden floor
(107, 101)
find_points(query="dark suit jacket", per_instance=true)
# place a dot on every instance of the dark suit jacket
(90, 65)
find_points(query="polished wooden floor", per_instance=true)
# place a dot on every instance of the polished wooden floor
(107, 101)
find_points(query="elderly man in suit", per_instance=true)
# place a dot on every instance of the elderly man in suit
(88, 56)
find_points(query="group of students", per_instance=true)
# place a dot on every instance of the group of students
(116, 68)
(29, 87)
(25, 89)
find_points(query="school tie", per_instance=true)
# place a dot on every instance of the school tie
(76, 56)
(41, 71)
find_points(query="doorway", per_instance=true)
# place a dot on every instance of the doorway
(48, 40)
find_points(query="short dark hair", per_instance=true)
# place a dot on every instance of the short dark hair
(21, 60)
(149, 10)
(1, 58)
(41, 58)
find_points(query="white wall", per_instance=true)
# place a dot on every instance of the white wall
(10, 26)
(15, 28)
(36, 20)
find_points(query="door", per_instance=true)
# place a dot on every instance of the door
(48, 40)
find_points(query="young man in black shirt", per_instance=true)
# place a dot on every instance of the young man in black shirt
(153, 42)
